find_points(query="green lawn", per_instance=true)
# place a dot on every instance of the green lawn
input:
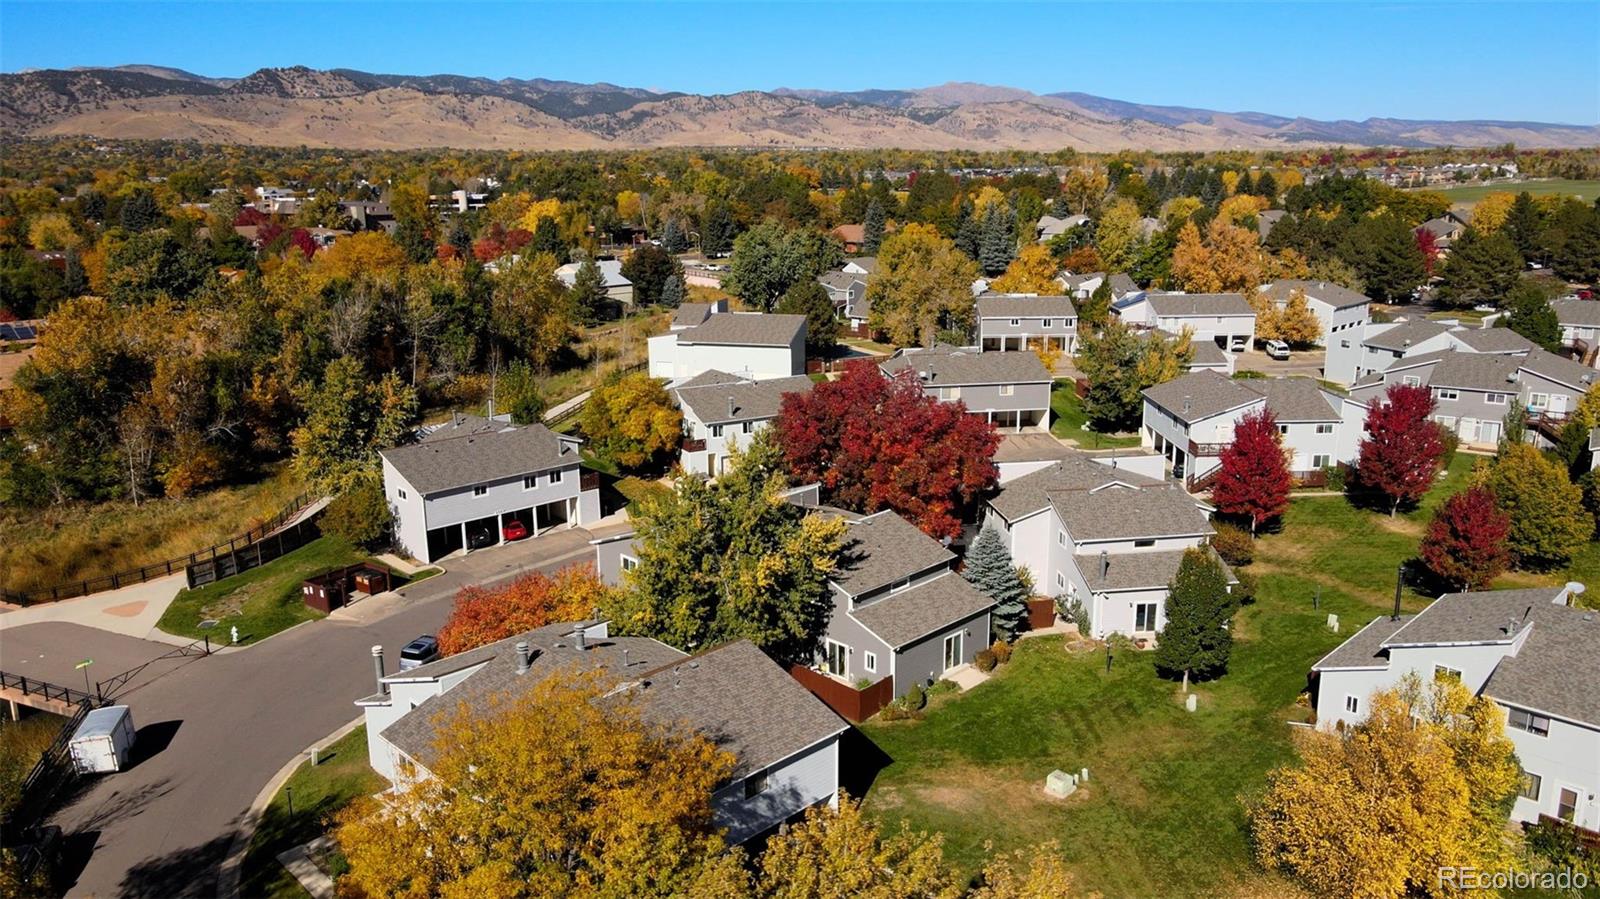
(1161, 814)
(341, 775)
(262, 601)
(1472, 193)
(1071, 424)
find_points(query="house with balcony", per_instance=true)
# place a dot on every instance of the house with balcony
(751, 345)
(1010, 322)
(785, 742)
(1190, 420)
(1009, 390)
(721, 412)
(1100, 535)
(1374, 347)
(1224, 318)
(1533, 652)
(1580, 326)
(460, 484)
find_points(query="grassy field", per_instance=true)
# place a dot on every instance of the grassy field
(1071, 424)
(1472, 193)
(21, 745)
(59, 544)
(262, 601)
(1161, 814)
(341, 775)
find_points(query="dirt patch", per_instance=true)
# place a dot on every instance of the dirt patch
(232, 605)
(127, 609)
(1398, 525)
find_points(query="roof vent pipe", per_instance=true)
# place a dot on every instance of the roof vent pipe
(1105, 564)
(578, 637)
(377, 668)
(524, 657)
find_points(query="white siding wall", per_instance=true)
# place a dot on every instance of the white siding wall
(670, 360)
(794, 785)
(410, 524)
(1568, 757)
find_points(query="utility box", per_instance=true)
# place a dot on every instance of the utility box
(1060, 784)
(103, 741)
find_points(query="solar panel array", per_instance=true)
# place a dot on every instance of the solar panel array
(18, 331)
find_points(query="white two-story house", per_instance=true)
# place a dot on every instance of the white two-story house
(1225, 318)
(749, 344)
(721, 412)
(785, 746)
(1531, 651)
(1580, 325)
(1106, 537)
(460, 484)
(1009, 390)
(1010, 322)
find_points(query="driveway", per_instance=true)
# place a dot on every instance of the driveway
(214, 730)
(1307, 363)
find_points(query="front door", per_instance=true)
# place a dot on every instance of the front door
(952, 651)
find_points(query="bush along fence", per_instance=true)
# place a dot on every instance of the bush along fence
(144, 573)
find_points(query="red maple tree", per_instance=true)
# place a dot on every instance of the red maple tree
(1466, 541)
(1430, 250)
(882, 443)
(486, 614)
(302, 240)
(1253, 481)
(1401, 451)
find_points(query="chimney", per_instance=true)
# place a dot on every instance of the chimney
(1186, 405)
(578, 638)
(730, 406)
(377, 668)
(624, 660)
(1105, 564)
(524, 657)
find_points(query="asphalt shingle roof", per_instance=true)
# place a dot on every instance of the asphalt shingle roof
(1076, 471)
(1405, 335)
(1333, 294)
(1490, 372)
(883, 548)
(740, 400)
(947, 367)
(1566, 371)
(1135, 571)
(1201, 394)
(691, 314)
(1125, 513)
(1198, 304)
(905, 617)
(1493, 340)
(1014, 305)
(1480, 617)
(436, 465)
(1573, 311)
(746, 329)
(1294, 399)
(1558, 668)
(1364, 649)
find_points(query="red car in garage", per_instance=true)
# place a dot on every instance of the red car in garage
(514, 530)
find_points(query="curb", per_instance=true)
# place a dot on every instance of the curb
(233, 864)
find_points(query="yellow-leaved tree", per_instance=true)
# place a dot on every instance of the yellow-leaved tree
(1374, 812)
(840, 853)
(559, 792)
(1489, 213)
(1227, 260)
(631, 419)
(1033, 271)
(1117, 235)
(923, 285)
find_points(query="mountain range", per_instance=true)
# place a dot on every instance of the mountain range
(344, 108)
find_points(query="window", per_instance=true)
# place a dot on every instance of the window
(1321, 460)
(1049, 323)
(1345, 344)
(629, 563)
(1325, 429)
(949, 393)
(1567, 805)
(716, 430)
(1495, 399)
(871, 662)
(1352, 704)
(1411, 380)
(1530, 786)
(1538, 400)
(746, 426)
(1445, 672)
(479, 490)
(1061, 538)
(1283, 429)
(1447, 394)
(555, 476)
(1061, 580)
(1016, 322)
(1145, 541)
(833, 657)
(1522, 719)
(755, 785)
(402, 492)
(1144, 616)
(530, 482)
(1008, 389)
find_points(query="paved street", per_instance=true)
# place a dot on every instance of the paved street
(213, 730)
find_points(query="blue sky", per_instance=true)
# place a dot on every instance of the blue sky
(1532, 61)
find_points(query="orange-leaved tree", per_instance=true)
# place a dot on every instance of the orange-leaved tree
(486, 614)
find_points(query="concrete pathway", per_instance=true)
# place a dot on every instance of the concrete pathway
(301, 863)
(965, 676)
(132, 611)
(563, 408)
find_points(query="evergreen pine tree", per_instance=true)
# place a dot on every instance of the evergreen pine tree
(1578, 257)
(1245, 186)
(1523, 226)
(589, 292)
(1481, 268)
(990, 569)
(1267, 186)
(461, 238)
(997, 242)
(140, 211)
(547, 239)
(967, 230)
(872, 229)
(672, 292)
(673, 240)
(73, 279)
(1196, 641)
(716, 235)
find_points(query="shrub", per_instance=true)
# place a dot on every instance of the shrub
(1075, 613)
(1234, 544)
(1025, 575)
(1336, 477)
(360, 515)
(985, 660)
(942, 686)
(1451, 442)
(1245, 590)
(915, 699)
(1002, 651)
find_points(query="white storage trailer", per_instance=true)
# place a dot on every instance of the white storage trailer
(103, 740)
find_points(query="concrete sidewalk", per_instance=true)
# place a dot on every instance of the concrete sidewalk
(131, 611)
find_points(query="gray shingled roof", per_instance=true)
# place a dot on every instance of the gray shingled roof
(1480, 617)
(1558, 669)
(869, 264)
(691, 314)
(1195, 304)
(1566, 371)
(1124, 513)
(1201, 394)
(1493, 340)
(948, 367)
(1573, 311)
(841, 280)
(741, 400)
(1137, 570)
(900, 619)
(1076, 471)
(1294, 399)
(1488, 372)
(461, 425)
(443, 464)
(708, 377)
(1335, 295)
(1018, 305)
(1205, 353)
(746, 329)
(1405, 335)
(883, 548)
(1364, 649)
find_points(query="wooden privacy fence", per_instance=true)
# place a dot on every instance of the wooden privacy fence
(1041, 613)
(853, 705)
(160, 569)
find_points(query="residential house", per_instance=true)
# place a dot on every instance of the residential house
(753, 345)
(1190, 420)
(721, 412)
(461, 483)
(899, 608)
(1083, 286)
(618, 288)
(861, 265)
(1009, 321)
(1580, 325)
(1103, 536)
(848, 291)
(1532, 652)
(1023, 454)
(1446, 229)
(1225, 318)
(1339, 310)
(785, 742)
(1010, 390)
(853, 237)
(370, 215)
(1266, 220)
(1378, 345)
(1049, 226)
